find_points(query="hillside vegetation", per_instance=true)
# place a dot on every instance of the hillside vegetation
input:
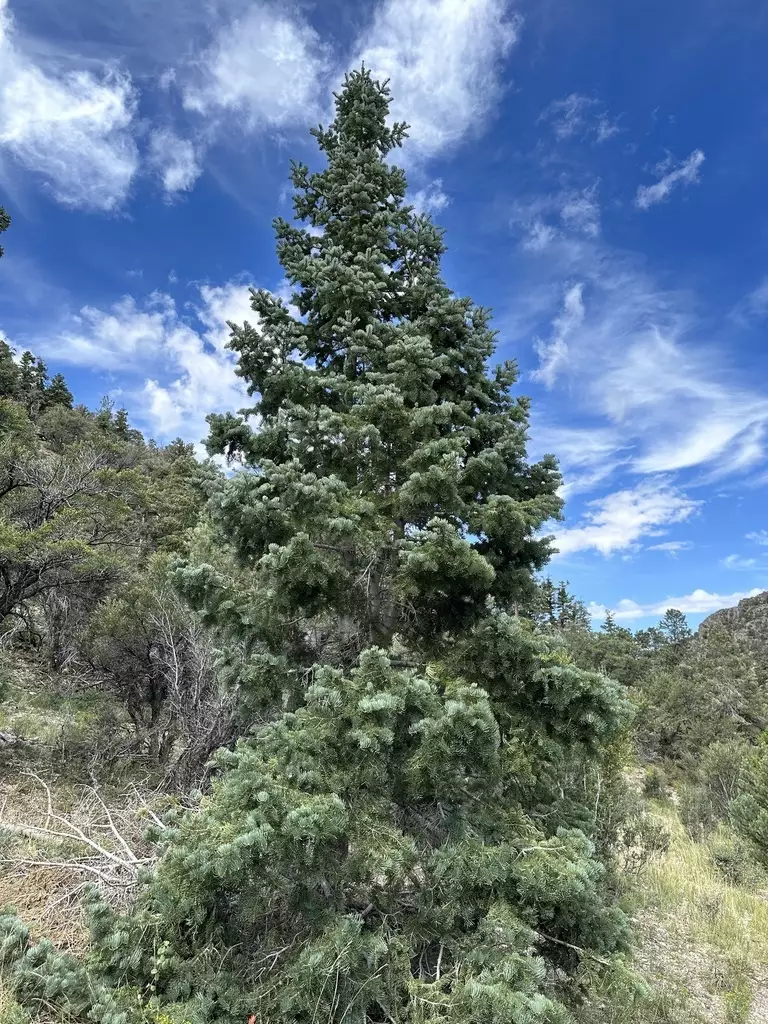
(315, 739)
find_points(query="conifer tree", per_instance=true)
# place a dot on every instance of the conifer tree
(9, 372)
(403, 839)
(556, 608)
(33, 383)
(57, 392)
(5, 223)
(674, 627)
(750, 809)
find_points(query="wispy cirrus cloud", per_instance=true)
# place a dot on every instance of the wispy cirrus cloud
(431, 198)
(754, 306)
(588, 455)
(739, 562)
(670, 177)
(546, 219)
(637, 356)
(268, 70)
(553, 351)
(71, 127)
(671, 547)
(579, 116)
(260, 68)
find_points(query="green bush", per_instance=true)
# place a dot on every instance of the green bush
(734, 858)
(697, 810)
(720, 772)
(642, 838)
(655, 783)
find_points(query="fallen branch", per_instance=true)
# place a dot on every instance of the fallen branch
(116, 864)
(577, 949)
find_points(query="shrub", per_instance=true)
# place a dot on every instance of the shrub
(655, 783)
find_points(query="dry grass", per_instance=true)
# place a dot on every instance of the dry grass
(56, 841)
(703, 934)
(8, 1006)
(726, 916)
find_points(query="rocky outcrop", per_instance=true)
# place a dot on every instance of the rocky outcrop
(747, 622)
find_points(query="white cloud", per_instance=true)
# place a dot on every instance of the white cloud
(618, 521)
(549, 219)
(755, 305)
(581, 211)
(205, 382)
(268, 69)
(553, 352)
(739, 562)
(672, 547)
(119, 338)
(759, 537)
(268, 66)
(174, 160)
(639, 360)
(539, 236)
(71, 127)
(576, 116)
(444, 60)
(183, 372)
(568, 116)
(430, 199)
(686, 173)
(606, 128)
(587, 455)
(699, 602)
(693, 418)
(222, 305)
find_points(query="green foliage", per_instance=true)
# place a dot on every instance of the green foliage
(734, 858)
(655, 783)
(674, 628)
(5, 223)
(613, 650)
(41, 976)
(59, 520)
(57, 393)
(716, 692)
(710, 788)
(749, 810)
(697, 811)
(554, 607)
(151, 653)
(9, 372)
(82, 498)
(413, 832)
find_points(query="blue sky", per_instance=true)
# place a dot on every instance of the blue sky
(600, 171)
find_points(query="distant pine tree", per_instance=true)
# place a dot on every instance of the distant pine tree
(57, 392)
(5, 223)
(674, 626)
(33, 383)
(10, 376)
